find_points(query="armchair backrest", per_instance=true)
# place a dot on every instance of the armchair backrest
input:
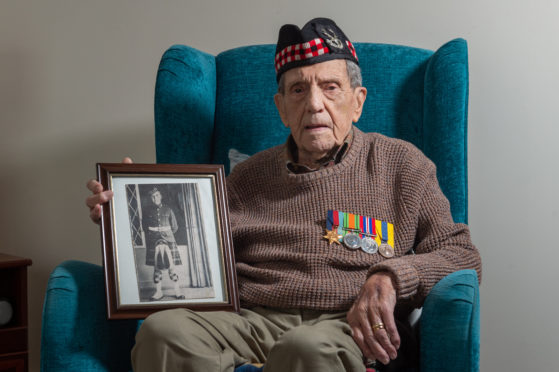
(208, 107)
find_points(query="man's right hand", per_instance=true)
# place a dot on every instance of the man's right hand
(99, 196)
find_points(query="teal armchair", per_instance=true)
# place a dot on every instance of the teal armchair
(213, 109)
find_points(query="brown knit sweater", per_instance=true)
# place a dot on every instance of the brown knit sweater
(278, 220)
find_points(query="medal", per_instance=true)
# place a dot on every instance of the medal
(332, 237)
(369, 245)
(352, 241)
(360, 232)
(385, 249)
(331, 225)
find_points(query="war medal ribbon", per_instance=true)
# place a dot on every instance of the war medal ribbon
(368, 243)
(385, 249)
(331, 229)
(356, 231)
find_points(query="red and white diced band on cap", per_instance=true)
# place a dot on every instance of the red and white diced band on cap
(301, 51)
(318, 41)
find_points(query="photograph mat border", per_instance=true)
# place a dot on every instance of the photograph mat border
(221, 290)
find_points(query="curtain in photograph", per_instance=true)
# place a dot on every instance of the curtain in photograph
(196, 250)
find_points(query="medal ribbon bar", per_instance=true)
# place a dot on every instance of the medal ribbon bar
(381, 231)
(384, 236)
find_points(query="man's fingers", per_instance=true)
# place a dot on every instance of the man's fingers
(370, 339)
(373, 314)
(361, 330)
(376, 338)
(376, 348)
(95, 214)
(99, 198)
(391, 330)
(384, 341)
(381, 335)
(94, 186)
(92, 200)
(360, 341)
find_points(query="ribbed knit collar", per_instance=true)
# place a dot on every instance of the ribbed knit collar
(333, 157)
(346, 162)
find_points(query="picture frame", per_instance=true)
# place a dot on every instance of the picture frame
(166, 239)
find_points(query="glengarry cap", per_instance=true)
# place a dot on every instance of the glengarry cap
(319, 40)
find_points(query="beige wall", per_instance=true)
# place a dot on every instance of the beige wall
(76, 88)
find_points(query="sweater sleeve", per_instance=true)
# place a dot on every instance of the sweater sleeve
(441, 246)
(234, 202)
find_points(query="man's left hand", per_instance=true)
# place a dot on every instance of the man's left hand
(373, 307)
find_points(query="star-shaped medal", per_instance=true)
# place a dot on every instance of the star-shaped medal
(332, 236)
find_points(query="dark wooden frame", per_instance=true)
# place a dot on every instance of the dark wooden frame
(105, 172)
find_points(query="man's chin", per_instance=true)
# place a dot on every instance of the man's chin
(319, 148)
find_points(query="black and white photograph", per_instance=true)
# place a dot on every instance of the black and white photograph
(166, 239)
(170, 249)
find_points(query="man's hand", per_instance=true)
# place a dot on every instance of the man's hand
(375, 305)
(99, 196)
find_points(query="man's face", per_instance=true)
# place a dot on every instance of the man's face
(156, 198)
(319, 106)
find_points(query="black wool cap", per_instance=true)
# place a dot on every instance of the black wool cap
(319, 40)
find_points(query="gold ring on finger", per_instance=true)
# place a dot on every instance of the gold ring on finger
(378, 326)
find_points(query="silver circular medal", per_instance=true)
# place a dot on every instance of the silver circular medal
(352, 241)
(386, 250)
(369, 245)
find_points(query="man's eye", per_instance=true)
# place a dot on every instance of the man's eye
(297, 90)
(331, 87)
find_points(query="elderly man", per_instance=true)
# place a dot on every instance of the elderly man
(323, 228)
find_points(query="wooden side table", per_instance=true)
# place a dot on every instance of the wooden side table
(13, 335)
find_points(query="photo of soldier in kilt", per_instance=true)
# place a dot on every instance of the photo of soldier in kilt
(169, 242)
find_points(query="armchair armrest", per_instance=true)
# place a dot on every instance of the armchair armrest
(76, 335)
(449, 324)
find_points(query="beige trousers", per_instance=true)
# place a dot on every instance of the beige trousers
(286, 340)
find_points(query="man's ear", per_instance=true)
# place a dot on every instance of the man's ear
(360, 94)
(279, 101)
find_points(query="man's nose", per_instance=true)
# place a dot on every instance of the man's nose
(315, 102)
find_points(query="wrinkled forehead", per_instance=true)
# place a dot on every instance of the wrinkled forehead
(335, 70)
